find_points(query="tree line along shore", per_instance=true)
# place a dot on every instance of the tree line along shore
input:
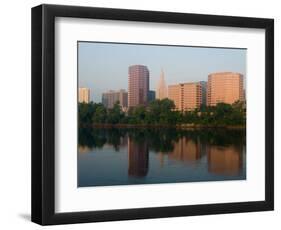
(162, 113)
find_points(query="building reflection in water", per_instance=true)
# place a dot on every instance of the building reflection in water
(224, 160)
(137, 158)
(186, 150)
(220, 160)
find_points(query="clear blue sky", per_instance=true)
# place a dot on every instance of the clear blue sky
(104, 66)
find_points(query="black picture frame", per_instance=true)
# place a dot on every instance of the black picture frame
(43, 113)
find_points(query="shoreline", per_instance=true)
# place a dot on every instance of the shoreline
(179, 126)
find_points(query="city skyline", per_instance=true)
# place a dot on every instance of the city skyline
(94, 59)
(222, 87)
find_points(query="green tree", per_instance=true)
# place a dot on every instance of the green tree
(139, 114)
(85, 113)
(100, 114)
(115, 115)
(161, 111)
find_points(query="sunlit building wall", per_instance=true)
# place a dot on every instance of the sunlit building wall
(224, 87)
(175, 94)
(138, 85)
(84, 95)
(161, 90)
(111, 97)
(186, 96)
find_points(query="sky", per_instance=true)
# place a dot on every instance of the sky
(104, 66)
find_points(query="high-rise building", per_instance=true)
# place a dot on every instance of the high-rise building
(161, 91)
(151, 95)
(224, 87)
(111, 97)
(175, 94)
(84, 95)
(204, 92)
(244, 95)
(138, 85)
(186, 96)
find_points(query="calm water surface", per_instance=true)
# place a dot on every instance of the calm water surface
(148, 156)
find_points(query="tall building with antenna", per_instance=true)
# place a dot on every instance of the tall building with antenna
(161, 90)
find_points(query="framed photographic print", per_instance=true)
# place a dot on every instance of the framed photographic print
(145, 114)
